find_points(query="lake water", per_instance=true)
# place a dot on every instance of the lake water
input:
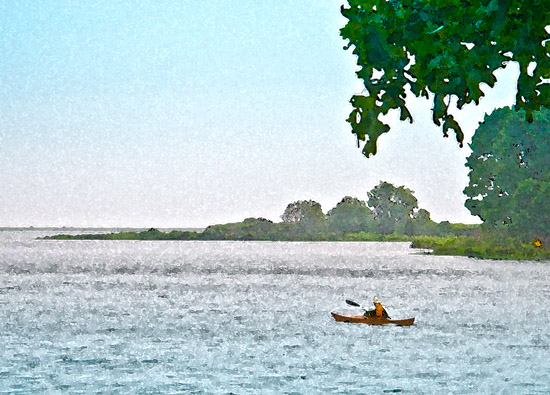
(254, 317)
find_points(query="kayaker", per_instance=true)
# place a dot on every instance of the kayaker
(379, 310)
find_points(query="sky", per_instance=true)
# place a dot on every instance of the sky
(186, 114)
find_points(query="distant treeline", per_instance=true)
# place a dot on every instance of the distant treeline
(509, 190)
(390, 213)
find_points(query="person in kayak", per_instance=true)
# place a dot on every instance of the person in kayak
(379, 310)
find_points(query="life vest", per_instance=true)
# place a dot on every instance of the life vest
(379, 310)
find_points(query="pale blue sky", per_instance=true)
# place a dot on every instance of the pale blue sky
(188, 113)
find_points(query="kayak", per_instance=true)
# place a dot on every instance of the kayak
(361, 319)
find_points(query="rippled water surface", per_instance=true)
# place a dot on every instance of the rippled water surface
(254, 317)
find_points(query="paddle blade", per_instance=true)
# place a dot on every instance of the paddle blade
(352, 303)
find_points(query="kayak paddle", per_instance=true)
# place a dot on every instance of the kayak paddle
(355, 304)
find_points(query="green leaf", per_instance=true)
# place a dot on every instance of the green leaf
(374, 128)
(439, 109)
(451, 124)
(432, 33)
(405, 114)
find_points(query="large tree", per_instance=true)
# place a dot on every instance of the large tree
(306, 216)
(350, 215)
(447, 48)
(393, 207)
(509, 186)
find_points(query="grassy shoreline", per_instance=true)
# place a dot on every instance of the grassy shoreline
(471, 246)
(481, 247)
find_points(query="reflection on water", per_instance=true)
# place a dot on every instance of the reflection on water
(254, 317)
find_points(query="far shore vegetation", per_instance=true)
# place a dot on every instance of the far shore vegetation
(390, 214)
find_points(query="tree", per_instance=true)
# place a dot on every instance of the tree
(350, 215)
(421, 224)
(308, 217)
(509, 186)
(447, 48)
(393, 207)
(531, 201)
(249, 229)
(303, 210)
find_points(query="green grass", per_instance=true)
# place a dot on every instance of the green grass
(486, 247)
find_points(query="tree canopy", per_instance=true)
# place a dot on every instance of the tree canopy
(393, 215)
(307, 215)
(509, 186)
(447, 48)
(350, 215)
(303, 211)
(393, 207)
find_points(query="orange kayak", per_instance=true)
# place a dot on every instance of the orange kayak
(361, 319)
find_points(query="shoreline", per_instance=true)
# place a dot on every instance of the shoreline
(468, 246)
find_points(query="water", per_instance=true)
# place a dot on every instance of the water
(254, 317)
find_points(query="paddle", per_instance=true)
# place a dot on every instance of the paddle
(355, 304)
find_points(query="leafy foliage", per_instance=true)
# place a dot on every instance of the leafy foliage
(531, 201)
(393, 207)
(397, 218)
(509, 186)
(307, 214)
(350, 215)
(249, 229)
(305, 219)
(486, 247)
(445, 47)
